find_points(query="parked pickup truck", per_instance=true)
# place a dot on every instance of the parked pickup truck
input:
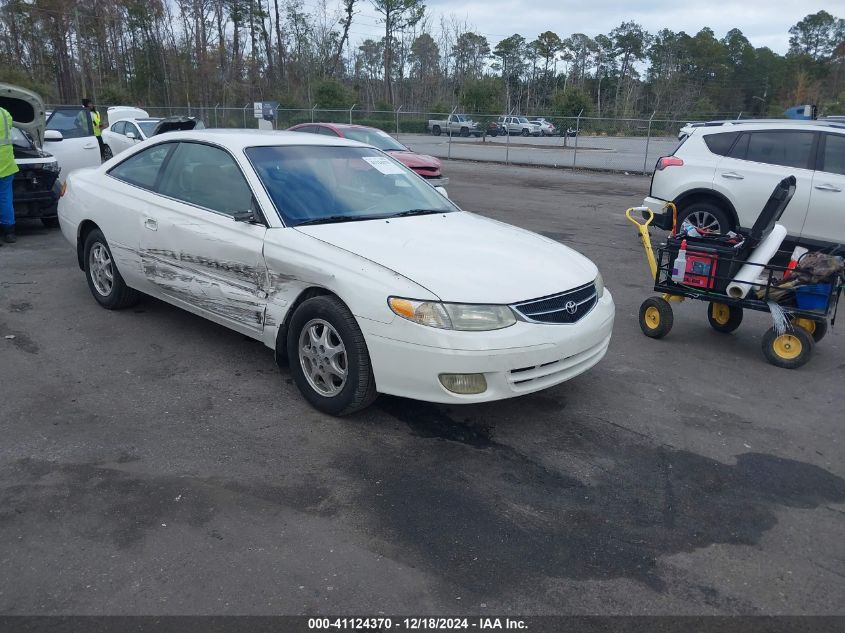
(456, 124)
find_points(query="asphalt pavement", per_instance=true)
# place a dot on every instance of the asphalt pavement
(155, 463)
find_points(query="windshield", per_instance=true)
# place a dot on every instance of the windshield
(522, 119)
(374, 137)
(71, 123)
(147, 127)
(313, 184)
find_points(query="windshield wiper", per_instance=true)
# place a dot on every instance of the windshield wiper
(334, 219)
(418, 212)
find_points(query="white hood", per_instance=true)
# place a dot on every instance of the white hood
(462, 257)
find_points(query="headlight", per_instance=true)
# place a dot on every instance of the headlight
(599, 282)
(453, 316)
(54, 166)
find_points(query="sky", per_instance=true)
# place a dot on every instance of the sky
(764, 22)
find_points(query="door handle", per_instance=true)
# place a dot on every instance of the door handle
(827, 187)
(733, 175)
(90, 146)
(151, 224)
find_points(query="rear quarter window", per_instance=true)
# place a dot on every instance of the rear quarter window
(720, 143)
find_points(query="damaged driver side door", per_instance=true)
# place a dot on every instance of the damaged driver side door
(202, 239)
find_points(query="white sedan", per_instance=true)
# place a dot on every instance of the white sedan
(361, 275)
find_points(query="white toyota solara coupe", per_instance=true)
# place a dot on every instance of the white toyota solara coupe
(361, 275)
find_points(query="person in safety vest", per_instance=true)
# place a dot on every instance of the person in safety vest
(95, 123)
(8, 169)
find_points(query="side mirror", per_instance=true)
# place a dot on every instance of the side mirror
(442, 192)
(131, 135)
(53, 136)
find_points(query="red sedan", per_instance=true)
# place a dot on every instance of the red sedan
(426, 166)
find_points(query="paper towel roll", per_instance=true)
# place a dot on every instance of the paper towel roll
(741, 284)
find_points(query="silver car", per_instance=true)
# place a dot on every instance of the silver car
(519, 125)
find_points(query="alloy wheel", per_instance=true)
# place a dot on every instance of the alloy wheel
(101, 269)
(322, 355)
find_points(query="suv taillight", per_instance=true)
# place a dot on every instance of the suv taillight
(669, 161)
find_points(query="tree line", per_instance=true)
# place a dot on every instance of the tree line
(179, 53)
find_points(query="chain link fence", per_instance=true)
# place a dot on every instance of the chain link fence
(616, 144)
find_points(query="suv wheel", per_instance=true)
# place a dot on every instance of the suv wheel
(706, 215)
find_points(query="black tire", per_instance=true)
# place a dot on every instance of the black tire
(656, 317)
(708, 215)
(120, 295)
(525, 132)
(50, 223)
(107, 153)
(724, 318)
(359, 389)
(436, 130)
(494, 134)
(464, 131)
(817, 329)
(789, 350)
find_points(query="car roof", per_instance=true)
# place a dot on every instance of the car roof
(770, 124)
(238, 139)
(341, 126)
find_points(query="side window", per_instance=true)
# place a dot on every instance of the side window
(142, 168)
(833, 159)
(307, 129)
(73, 123)
(788, 148)
(207, 177)
(119, 127)
(740, 149)
(720, 143)
(326, 131)
(130, 127)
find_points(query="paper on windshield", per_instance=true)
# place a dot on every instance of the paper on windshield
(384, 165)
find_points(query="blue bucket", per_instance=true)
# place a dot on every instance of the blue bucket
(812, 297)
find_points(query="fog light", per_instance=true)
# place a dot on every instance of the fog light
(464, 383)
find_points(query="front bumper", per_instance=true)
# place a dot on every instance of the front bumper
(408, 358)
(33, 198)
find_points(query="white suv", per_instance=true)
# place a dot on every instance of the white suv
(720, 177)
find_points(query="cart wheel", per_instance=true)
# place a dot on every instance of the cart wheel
(817, 329)
(789, 350)
(656, 317)
(724, 318)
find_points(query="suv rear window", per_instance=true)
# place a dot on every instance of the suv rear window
(787, 148)
(720, 143)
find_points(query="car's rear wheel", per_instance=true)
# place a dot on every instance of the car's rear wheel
(104, 280)
(328, 357)
(436, 130)
(706, 215)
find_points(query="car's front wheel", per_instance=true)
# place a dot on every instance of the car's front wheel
(706, 215)
(104, 280)
(328, 357)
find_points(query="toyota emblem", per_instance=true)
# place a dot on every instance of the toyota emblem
(571, 307)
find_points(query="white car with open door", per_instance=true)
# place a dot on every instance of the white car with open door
(70, 138)
(345, 262)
